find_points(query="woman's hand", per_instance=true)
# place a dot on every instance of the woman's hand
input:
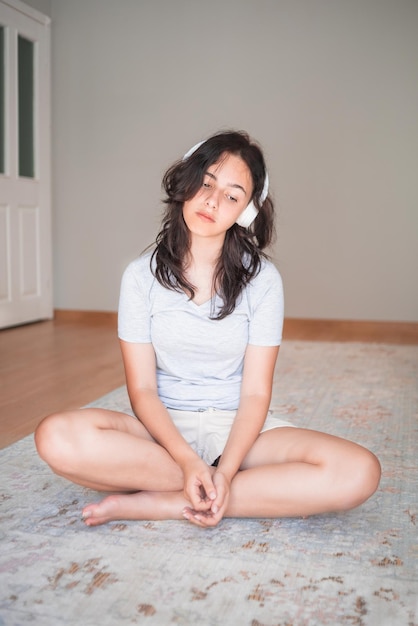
(199, 488)
(212, 515)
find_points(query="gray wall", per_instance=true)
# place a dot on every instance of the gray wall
(44, 6)
(328, 87)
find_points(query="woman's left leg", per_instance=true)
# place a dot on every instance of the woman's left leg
(289, 472)
(299, 472)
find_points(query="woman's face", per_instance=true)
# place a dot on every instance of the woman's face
(226, 190)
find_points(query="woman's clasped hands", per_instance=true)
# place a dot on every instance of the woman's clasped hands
(207, 489)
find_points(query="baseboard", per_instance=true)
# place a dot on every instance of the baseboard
(351, 330)
(294, 328)
(108, 318)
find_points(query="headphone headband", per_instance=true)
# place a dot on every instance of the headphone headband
(250, 212)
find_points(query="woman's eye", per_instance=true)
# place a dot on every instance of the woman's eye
(232, 199)
(207, 185)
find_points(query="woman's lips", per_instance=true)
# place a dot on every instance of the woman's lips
(205, 216)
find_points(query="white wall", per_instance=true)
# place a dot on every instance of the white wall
(329, 88)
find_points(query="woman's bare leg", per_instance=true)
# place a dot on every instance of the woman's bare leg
(106, 451)
(289, 472)
(312, 473)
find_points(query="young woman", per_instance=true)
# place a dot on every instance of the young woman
(200, 322)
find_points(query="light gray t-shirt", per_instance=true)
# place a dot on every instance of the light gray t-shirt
(199, 360)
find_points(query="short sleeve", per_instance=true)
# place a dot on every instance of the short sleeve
(266, 302)
(133, 312)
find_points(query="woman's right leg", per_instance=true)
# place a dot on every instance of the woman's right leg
(106, 451)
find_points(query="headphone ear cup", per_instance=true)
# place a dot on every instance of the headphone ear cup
(247, 216)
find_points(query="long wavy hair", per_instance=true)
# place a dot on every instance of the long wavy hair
(242, 251)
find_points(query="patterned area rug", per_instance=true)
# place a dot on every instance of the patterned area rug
(358, 568)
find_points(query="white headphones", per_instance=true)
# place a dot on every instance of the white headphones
(250, 212)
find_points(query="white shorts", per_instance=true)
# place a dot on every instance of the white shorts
(207, 431)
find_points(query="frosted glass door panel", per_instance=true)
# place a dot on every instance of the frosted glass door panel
(2, 103)
(26, 107)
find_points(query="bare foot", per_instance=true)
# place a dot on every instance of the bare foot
(143, 505)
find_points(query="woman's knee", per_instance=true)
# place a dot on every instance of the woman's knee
(372, 474)
(53, 440)
(361, 481)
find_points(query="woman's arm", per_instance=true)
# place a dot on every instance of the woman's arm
(256, 389)
(141, 378)
(254, 403)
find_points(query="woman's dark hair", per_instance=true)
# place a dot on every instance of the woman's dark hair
(242, 252)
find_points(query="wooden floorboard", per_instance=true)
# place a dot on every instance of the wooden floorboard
(54, 365)
(74, 359)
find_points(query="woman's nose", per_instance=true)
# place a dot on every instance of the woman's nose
(212, 199)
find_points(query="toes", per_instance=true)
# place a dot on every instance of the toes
(97, 521)
(93, 516)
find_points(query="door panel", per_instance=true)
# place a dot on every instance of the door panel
(5, 294)
(29, 251)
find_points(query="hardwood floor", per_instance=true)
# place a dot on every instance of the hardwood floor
(74, 359)
(55, 365)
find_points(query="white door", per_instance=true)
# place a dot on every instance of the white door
(25, 198)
